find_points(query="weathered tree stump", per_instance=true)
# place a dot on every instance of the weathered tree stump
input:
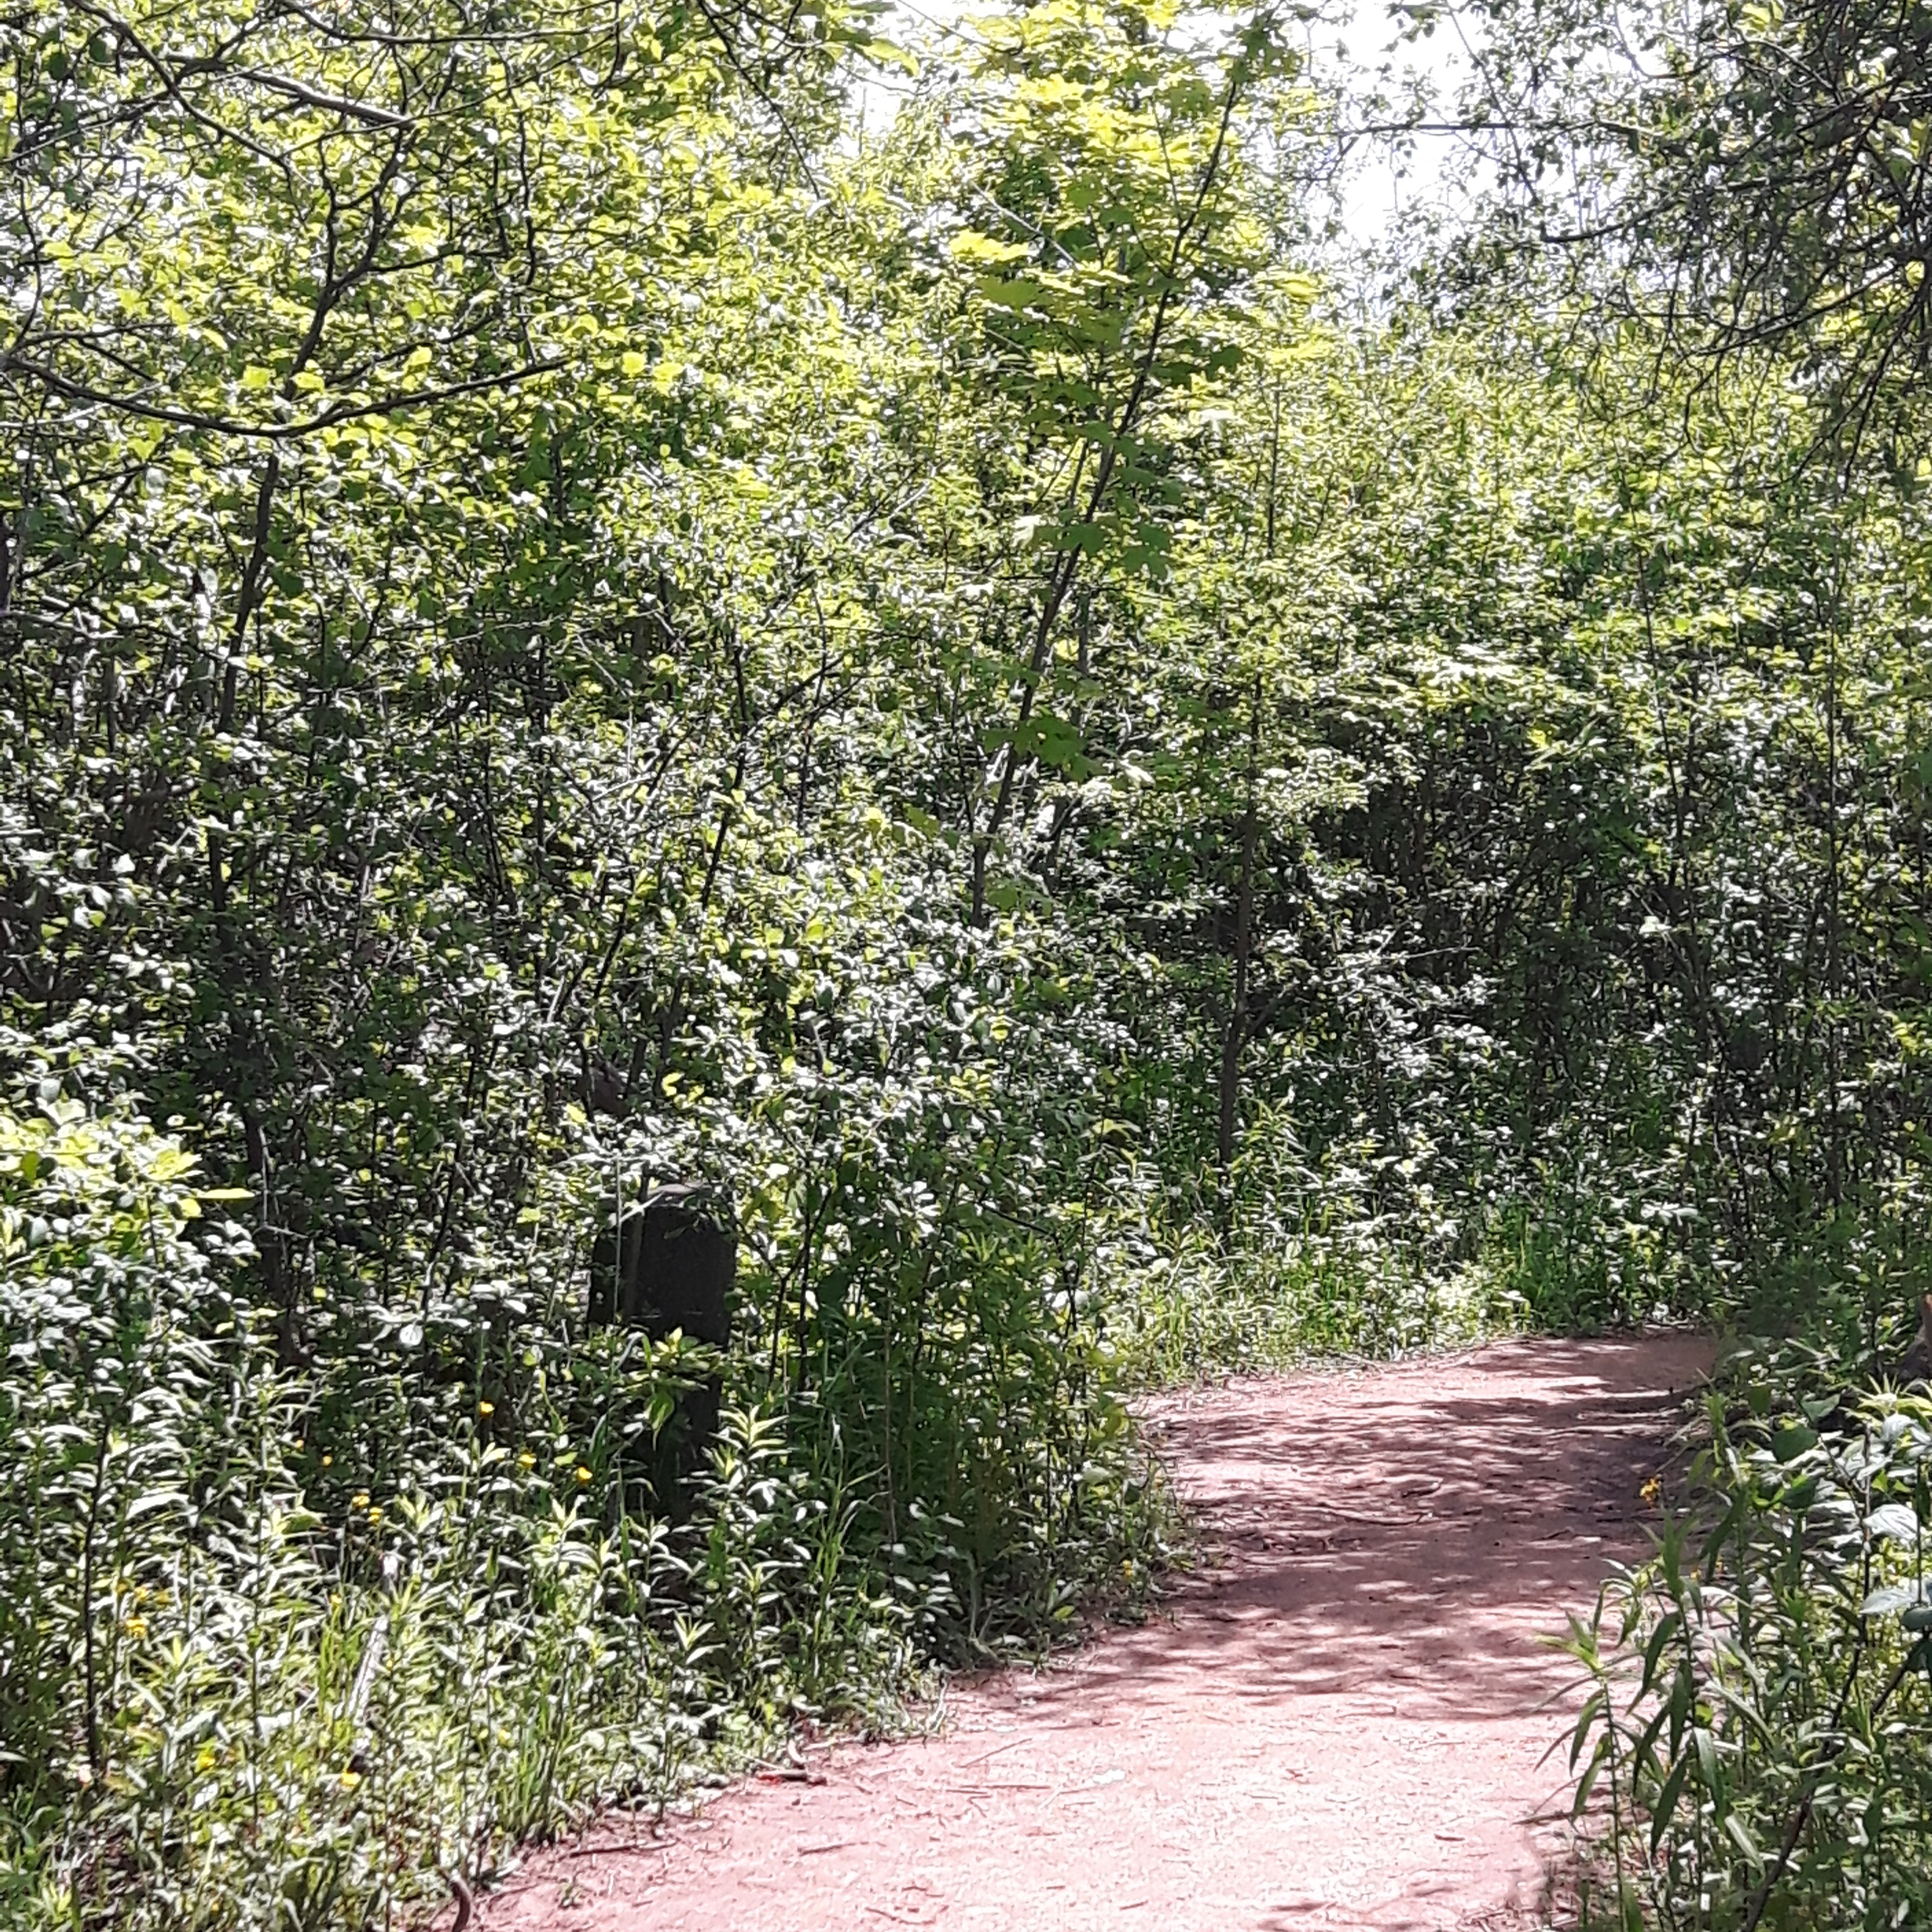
(668, 1266)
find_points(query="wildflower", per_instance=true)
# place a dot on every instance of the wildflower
(136, 1628)
(360, 1500)
(375, 1514)
(526, 1461)
(583, 1474)
(326, 1460)
(1652, 1490)
(486, 1408)
(349, 1779)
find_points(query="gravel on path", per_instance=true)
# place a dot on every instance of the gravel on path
(1345, 1719)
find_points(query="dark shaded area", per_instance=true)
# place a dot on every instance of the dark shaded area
(668, 1266)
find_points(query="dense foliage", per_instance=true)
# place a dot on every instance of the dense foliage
(577, 612)
(1759, 1706)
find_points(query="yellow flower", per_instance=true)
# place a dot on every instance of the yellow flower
(486, 1408)
(349, 1779)
(526, 1461)
(583, 1474)
(1652, 1490)
(360, 1500)
(136, 1628)
(326, 1460)
(375, 1514)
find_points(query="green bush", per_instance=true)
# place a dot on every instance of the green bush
(222, 1705)
(1761, 1702)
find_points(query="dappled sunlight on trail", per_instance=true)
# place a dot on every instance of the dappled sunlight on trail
(1345, 1720)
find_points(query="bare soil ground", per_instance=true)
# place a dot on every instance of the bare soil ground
(1345, 1720)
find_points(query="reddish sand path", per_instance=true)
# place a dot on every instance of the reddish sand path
(1341, 1722)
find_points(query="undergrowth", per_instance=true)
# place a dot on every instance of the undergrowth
(1346, 1281)
(1754, 1742)
(1197, 1311)
(226, 1703)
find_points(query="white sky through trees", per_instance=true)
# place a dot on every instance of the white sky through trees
(1364, 53)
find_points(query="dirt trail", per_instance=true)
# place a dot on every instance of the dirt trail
(1342, 1723)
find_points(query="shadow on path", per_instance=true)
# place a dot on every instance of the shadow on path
(1344, 1720)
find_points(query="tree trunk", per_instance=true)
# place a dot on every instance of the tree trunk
(1234, 1037)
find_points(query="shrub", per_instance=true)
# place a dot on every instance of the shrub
(1761, 1694)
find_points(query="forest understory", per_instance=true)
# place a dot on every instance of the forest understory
(886, 631)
